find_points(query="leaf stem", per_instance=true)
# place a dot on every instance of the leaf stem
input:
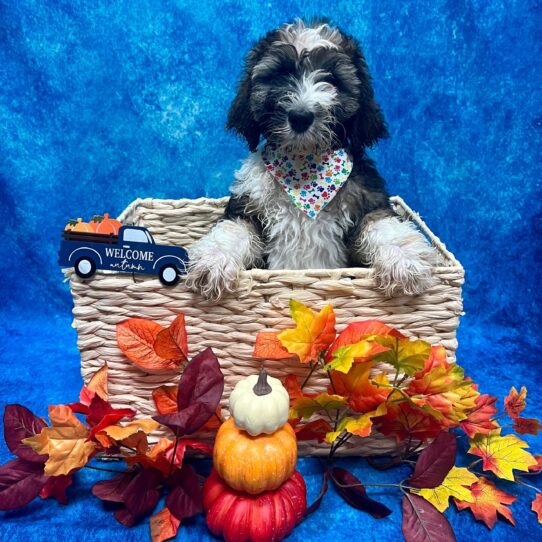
(521, 483)
(173, 456)
(313, 366)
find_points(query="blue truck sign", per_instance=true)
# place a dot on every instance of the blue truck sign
(133, 250)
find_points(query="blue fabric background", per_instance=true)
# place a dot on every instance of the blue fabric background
(102, 102)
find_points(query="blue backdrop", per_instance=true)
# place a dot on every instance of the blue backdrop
(102, 102)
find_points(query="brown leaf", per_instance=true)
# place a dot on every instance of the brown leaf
(164, 526)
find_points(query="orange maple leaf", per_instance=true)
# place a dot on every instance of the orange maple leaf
(98, 382)
(404, 420)
(268, 346)
(360, 331)
(362, 394)
(515, 402)
(136, 338)
(313, 333)
(172, 342)
(536, 506)
(488, 500)
(479, 418)
(537, 467)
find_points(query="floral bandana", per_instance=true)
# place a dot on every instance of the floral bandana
(311, 180)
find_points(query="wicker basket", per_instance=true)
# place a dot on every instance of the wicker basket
(230, 327)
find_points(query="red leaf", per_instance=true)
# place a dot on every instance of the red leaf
(536, 507)
(183, 444)
(56, 487)
(479, 419)
(172, 343)
(358, 331)
(200, 391)
(527, 426)
(113, 490)
(20, 483)
(515, 403)
(20, 423)
(268, 346)
(422, 522)
(136, 338)
(185, 497)
(434, 462)
(124, 517)
(102, 414)
(538, 467)
(353, 492)
(142, 492)
(165, 399)
(314, 430)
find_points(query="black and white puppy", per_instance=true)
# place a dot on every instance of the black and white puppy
(306, 89)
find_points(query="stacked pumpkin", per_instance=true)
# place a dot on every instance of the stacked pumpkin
(254, 493)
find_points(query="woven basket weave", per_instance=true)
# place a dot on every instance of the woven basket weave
(230, 326)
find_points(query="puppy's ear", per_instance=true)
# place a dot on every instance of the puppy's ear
(240, 117)
(367, 126)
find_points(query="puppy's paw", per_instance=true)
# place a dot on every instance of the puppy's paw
(213, 274)
(404, 272)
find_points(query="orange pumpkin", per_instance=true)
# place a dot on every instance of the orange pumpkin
(71, 224)
(81, 226)
(254, 464)
(105, 225)
(266, 517)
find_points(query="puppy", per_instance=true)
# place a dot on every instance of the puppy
(309, 197)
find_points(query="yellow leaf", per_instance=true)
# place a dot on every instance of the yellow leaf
(360, 426)
(65, 442)
(502, 454)
(305, 407)
(344, 357)
(120, 432)
(456, 484)
(409, 356)
(312, 334)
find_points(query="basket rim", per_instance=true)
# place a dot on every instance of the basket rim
(455, 264)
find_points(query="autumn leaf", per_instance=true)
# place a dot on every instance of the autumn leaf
(164, 526)
(360, 426)
(406, 355)
(456, 484)
(172, 342)
(514, 403)
(21, 423)
(165, 399)
(136, 338)
(65, 442)
(294, 389)
(527, 426)
(501, 454)
(55, 487)
(360, 331)
(536, 507)
(345, 356)
(479, 419)
(307, 406)
(405, 421)
(538, 467)
(313, 430)
(155, 457)
(98, 382)
(444, 392)
(363, 393)
(422, 522)
(121, 432)
(312, 334)
(20, 482)
(486, 501)
(268, 346)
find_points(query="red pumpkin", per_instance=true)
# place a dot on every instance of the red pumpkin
(241, 517)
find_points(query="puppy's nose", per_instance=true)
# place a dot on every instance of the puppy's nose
(300, 120)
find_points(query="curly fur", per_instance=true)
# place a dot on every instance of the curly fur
(318, 69)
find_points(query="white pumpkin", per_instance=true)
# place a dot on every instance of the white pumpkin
(259, 404)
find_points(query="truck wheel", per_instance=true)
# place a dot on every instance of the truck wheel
(85, 267)
(169, 275)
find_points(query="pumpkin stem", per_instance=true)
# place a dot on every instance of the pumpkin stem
(262, 387)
